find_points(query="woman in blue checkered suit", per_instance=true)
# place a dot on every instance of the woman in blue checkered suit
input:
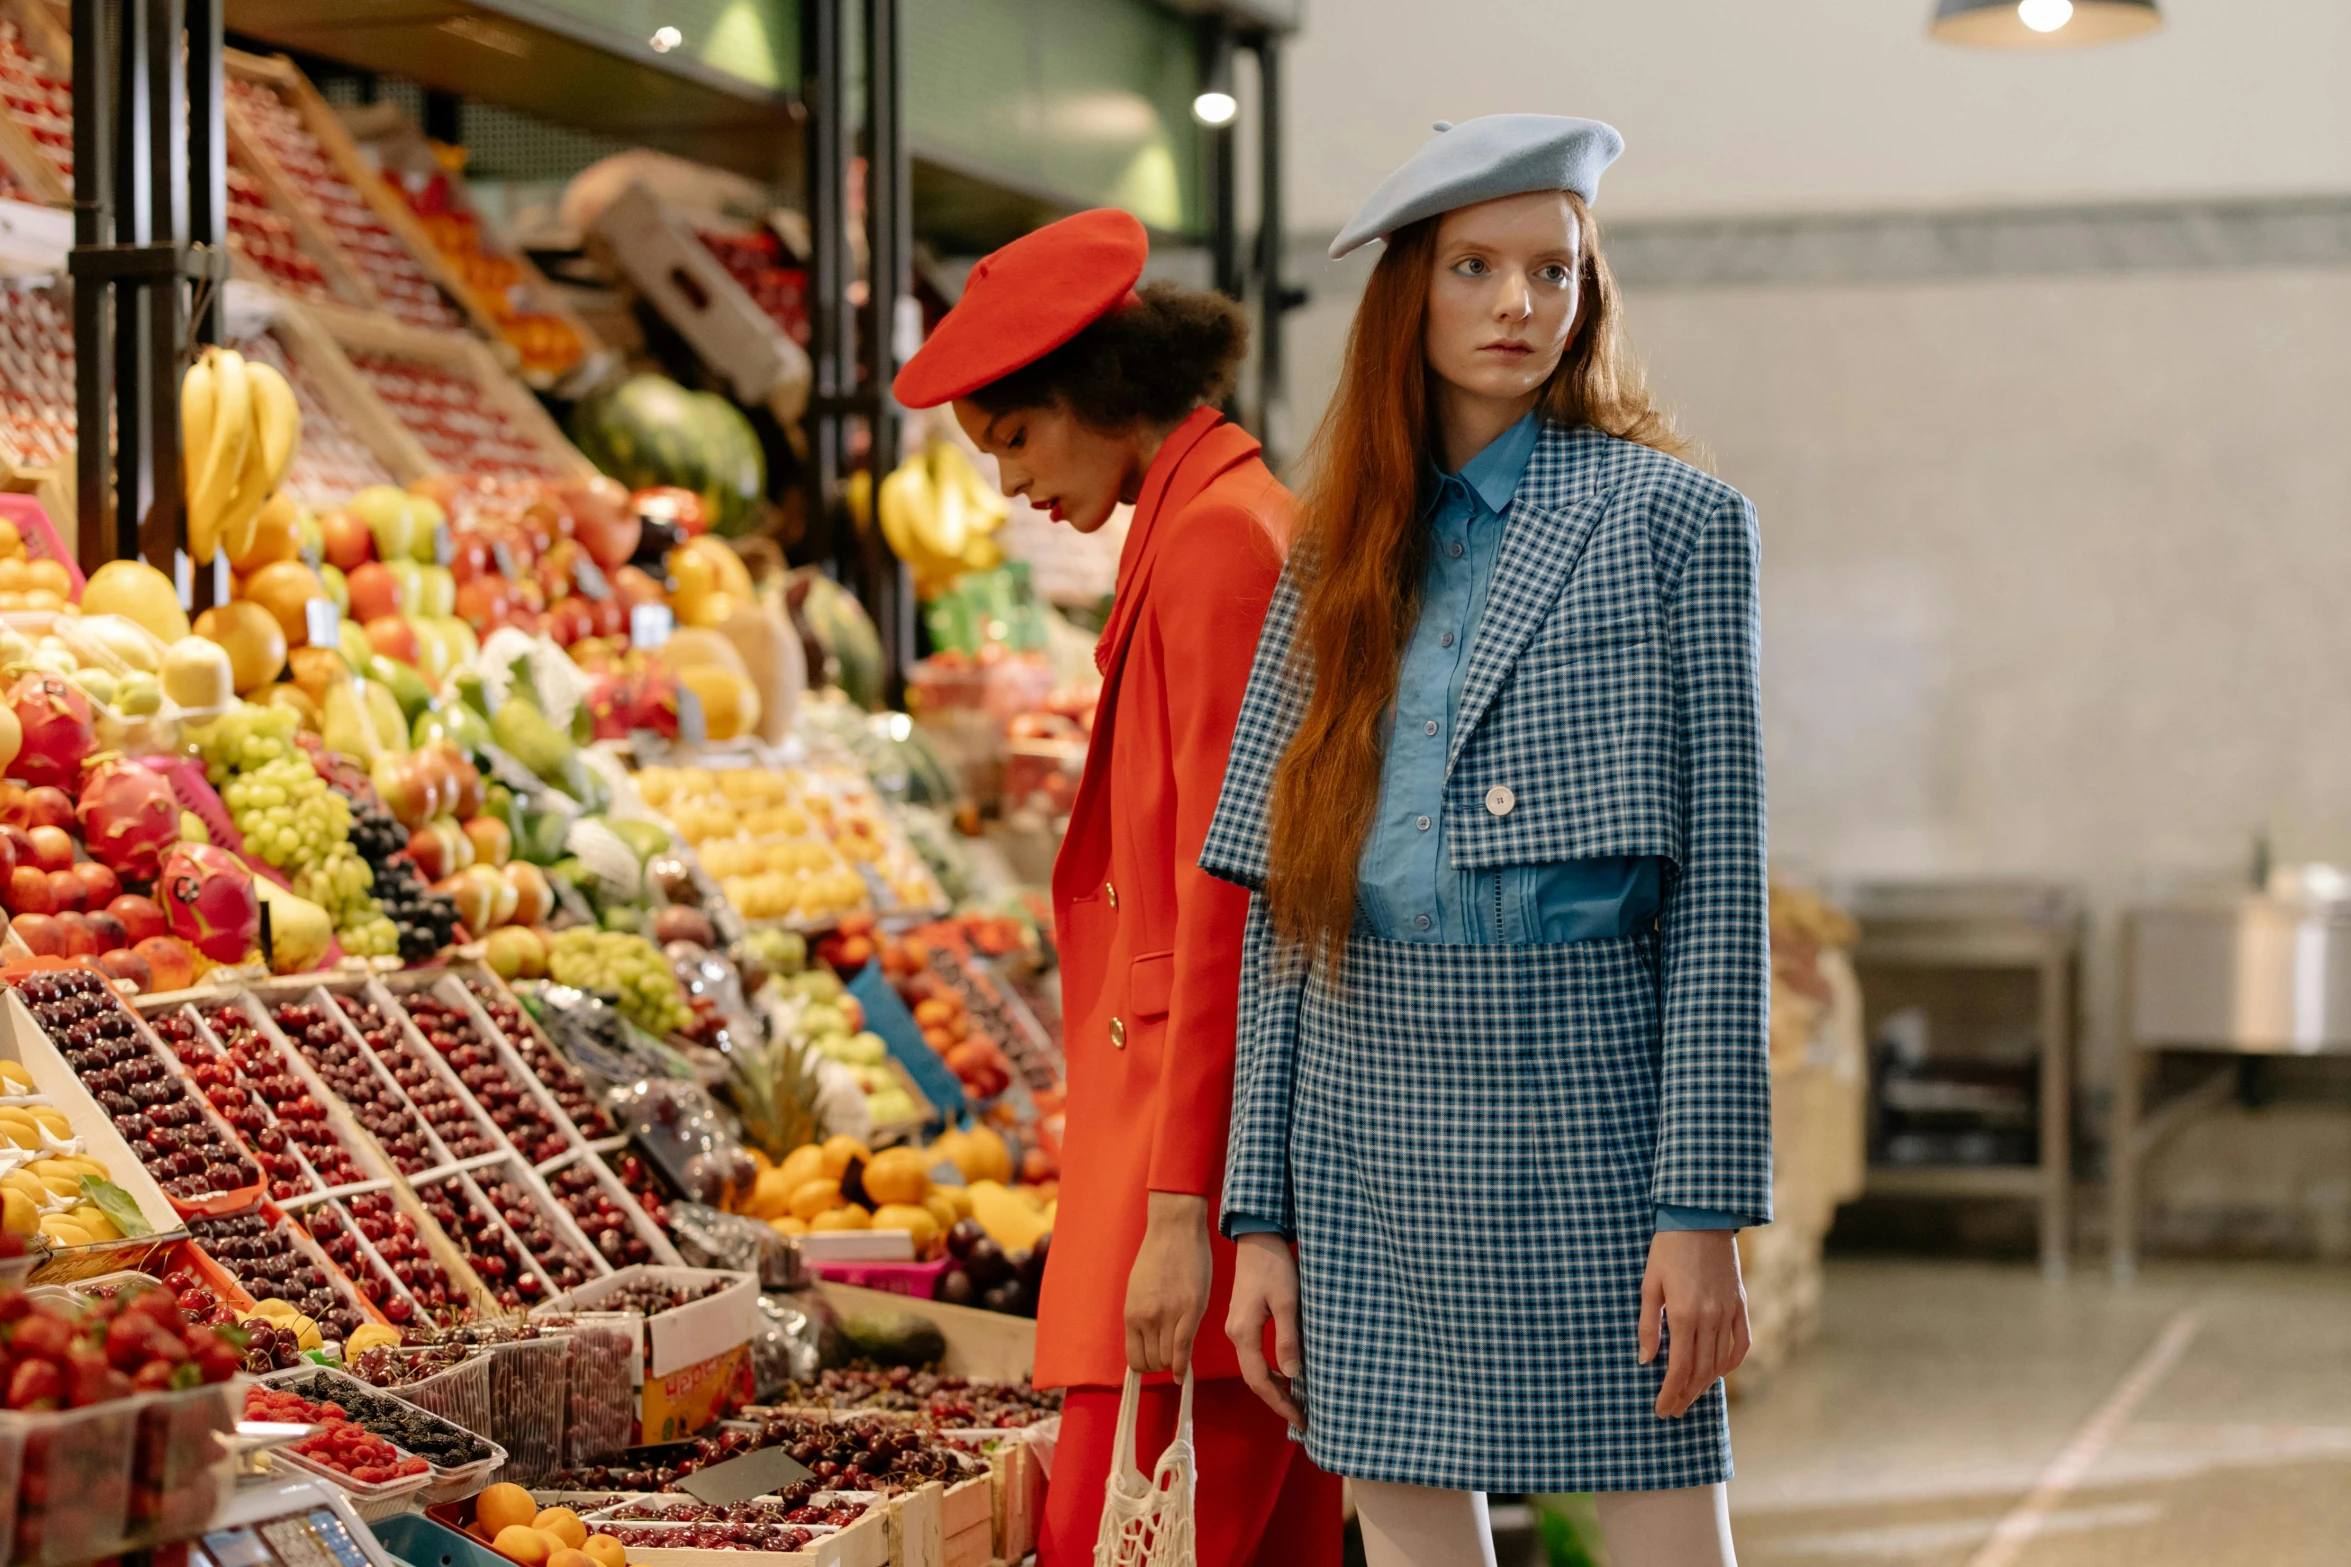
(1497, 790)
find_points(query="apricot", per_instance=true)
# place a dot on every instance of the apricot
(564, 1524)
(503, 1507)
(522, 1543)
(605, 1550)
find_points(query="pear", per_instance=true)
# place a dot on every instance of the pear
(299, 929)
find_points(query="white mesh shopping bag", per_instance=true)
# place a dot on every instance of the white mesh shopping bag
(1147, 1519)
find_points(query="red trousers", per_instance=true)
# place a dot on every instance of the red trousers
(1260, 1500)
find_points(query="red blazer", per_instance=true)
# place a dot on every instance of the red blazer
(1151, 944)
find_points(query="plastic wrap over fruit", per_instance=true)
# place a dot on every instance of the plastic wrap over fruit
(58, 733)
(129, 817)
(707, 1237)
(209, 901)
(679, 1127)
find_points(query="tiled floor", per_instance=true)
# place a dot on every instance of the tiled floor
(1956, 1415)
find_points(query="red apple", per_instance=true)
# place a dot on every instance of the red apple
(483, 602)
(633, 585)
(493, 842)
(52, 848)
(439, 849)
(168, 956)
(606, 618)
(375, 592)
(80, 940)
(66, 892)
(109, 931)
(28, 891)
(470, 557)
(569, 621)
(141, 917)
(41, 933)
(20, 844)
(347, 542)
(128, 965)
(100, 886)
(393, 637)
(48, 806)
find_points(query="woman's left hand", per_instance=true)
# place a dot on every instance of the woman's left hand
(1693, 1283)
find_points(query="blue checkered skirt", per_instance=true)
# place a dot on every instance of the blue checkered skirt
(1473, 1135)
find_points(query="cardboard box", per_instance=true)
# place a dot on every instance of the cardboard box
(684, 1401)
(688, 1335)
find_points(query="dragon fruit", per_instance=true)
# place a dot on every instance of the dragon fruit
(55, 718)
(209, 901)
(129, 817)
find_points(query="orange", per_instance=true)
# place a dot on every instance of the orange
(256, 645)
(850, 1217)
(788, 1225)
(283, 588)
(916, 1222)
(814, 1197)
(504, 1507)
(939, 1207)
(564, 1524)
(521, 1543)
(771, 1195)
(802, 1165)
(839, 1150)
(897, 1175)
(273, 535)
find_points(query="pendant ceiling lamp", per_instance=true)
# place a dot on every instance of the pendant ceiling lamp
(2041, 24)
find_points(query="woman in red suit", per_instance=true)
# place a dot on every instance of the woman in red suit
(1089, 394)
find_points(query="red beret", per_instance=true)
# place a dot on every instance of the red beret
(1026, 300)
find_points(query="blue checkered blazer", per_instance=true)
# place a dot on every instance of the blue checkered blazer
(1613, 693)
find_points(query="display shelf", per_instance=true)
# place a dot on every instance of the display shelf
(36, 383)
(506, 295)
(366, 241)
(456, 403)
(36, 103)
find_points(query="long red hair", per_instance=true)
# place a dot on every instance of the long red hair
(1361, 547)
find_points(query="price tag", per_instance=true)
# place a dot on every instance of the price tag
(503, 553)
(650, 626)
(588, 577)
(444, 544)
(756, 1473)
(323, 623)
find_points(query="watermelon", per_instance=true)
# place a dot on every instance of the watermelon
(842, 628)
(647, 430)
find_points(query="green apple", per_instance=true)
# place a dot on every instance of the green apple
(391, 517)
(436, 592)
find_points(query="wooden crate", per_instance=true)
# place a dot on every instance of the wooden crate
(505, 294)
(985, 1344)
(512, 438)
(39, 171)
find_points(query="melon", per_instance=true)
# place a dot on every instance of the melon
(841, 627)
(647, 431)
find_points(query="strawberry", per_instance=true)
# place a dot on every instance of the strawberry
(36, 1384)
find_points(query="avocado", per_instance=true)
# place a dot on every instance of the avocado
(538, 836)
(454, 722)
(895, 1338)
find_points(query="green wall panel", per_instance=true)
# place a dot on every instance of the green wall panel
(1084, 99)
(757, 41)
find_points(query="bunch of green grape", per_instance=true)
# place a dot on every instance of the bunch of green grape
(615, 963)
(290, 819)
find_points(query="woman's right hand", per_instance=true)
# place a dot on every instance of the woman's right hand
(1265, 1284)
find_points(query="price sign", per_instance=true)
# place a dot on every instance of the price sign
(503, 553)
(323, 623)
(650, 626)
(444, 544)
(588, 577)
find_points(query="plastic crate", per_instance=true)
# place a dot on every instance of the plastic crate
(441, 1484)
(74, 1488)
(601, 1376)
(527, 1397)
(370, 1502)
(178, 1472)
(460, 1394)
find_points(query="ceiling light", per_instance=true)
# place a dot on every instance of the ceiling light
(1215, 108)
(2040, 24)
(665, 39)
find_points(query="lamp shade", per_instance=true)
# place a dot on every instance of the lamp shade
(2040, 24)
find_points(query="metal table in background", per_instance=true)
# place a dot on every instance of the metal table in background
(1983, 926)
(2235, 977)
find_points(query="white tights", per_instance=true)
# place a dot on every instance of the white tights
(1415, 1526)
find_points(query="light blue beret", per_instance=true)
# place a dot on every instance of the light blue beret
(1478, 160)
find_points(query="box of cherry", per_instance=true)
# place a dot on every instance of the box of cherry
(510, 1103)
(375, 1101)
(267, 1069)
(462, 1132)
(601, 1216)
(191, 1154)
(269, 1260)
(558, 1076)
(490, 1248)
(956, 1403)
(247, 1112)
(379, 1247)
(341, 1446)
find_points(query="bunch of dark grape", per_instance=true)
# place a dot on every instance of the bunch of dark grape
(425, 919)
(375, 834)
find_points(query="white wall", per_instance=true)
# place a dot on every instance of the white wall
(1771, 105)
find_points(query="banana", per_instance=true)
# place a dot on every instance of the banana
(982, 499)
(943, 529)
(234, 529)
(224, 456)
(196, 392)
(905, 495)
(277, 419)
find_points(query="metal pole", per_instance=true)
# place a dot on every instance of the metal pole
(832, 355)
(134, 224)
(889, 209)
(1275, 300)
(1224, 217)
(208, 162)
(161, 524)
(93, 226)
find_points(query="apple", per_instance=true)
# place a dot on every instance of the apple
(431, 518)
(100, 886)
(375, 591)
(633, 585)
(66, 893)
(569, 621)
(20, 844)
(28, 891)
(52, 848)
(345, 540)
(493, 841)
(48, 806)
(393, 637)
(435, 657)
(108, 930)
(606, 618)
(128, 965)
(534, 898)
(436, 591)
(141, 917)
(440, 849)
(482, 602)
(393, 519)
(41, 933)
(470, 557)
(80, 940)
(338, 586)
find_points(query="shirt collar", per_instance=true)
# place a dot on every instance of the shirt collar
(1493, 474)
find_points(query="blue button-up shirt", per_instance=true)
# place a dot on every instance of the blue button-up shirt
(1406, 889)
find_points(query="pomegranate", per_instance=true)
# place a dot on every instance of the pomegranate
(55, 718)
(129, 817)
(209, 901)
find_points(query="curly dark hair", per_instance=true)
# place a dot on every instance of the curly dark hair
(1151, 362)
